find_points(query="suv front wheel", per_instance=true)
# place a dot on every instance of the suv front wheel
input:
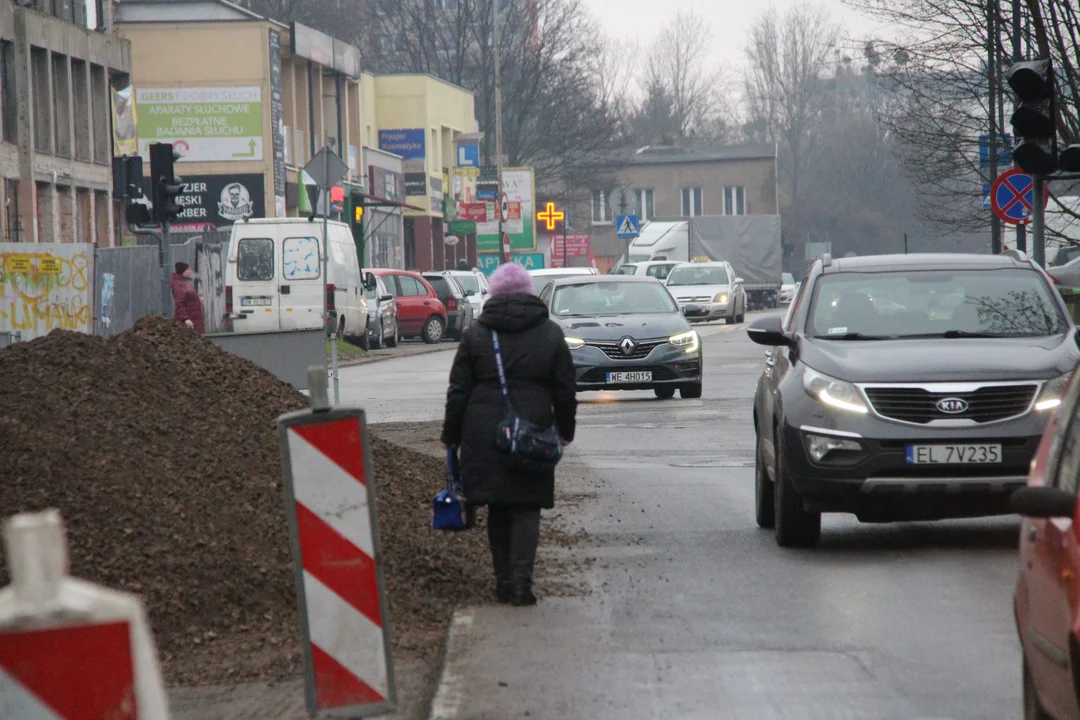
(795, 526)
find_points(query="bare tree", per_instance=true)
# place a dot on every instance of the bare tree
(937, 83)
(791, 57)
(677, 72)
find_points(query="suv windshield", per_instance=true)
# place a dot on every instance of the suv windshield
(703, 275)
(934, 303)
(613, 298)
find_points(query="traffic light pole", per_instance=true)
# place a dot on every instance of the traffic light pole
(1038, 220)
(991, 81)
(331, 324)
(1018, 55)
(498, 125)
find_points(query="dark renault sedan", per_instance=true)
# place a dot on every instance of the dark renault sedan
(626, 333)
(906, 387)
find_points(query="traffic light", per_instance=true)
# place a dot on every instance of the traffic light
(166, 186)
(356, 223)
(1069, 159)
(1033, 120)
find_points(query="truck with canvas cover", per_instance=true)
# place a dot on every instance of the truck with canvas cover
(751, 243)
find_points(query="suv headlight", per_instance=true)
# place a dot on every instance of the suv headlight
(834, 393)
(721, 298)
(688, 340)
(575, 343)
(1052, 393)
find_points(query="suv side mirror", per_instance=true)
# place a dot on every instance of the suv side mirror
(769, 330)
(385, 298)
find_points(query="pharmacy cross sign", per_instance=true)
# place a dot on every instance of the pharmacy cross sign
(549, 216)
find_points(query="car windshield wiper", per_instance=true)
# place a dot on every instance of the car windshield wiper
(953, 334)
(855, 336)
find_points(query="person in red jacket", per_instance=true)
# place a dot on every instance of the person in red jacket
(187, 303)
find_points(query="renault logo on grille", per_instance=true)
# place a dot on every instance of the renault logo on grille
(952, 406)
(627, 346)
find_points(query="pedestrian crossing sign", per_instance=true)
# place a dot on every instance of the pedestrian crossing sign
(626, 226)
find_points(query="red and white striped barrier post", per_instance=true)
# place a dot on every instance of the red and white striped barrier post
(70, 650)
(330, 505)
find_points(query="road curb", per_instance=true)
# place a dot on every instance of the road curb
(368, 361)
(450, 693)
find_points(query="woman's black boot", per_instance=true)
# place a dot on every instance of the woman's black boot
(504, 591)
(522, 594)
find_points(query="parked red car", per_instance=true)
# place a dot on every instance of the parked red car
(420, 312)
(1047, 600)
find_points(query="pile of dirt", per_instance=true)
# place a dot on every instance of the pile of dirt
(161, 452)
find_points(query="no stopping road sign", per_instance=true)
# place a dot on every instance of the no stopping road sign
(1011, 197)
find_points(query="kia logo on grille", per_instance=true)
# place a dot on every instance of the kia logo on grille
(627, 346)
(952, 406)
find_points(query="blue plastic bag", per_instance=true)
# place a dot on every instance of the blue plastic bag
(451, 511)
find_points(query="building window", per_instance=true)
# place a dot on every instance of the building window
(734, 200)
(601, 211)
(644, 204)
(8, 109)
(691, 202)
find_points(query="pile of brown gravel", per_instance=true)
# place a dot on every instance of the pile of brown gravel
(161, 452)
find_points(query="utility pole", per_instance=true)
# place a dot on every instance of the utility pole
(498, 122)
(991, 77)
(1021, 230)
(905, 244)
(565, 222)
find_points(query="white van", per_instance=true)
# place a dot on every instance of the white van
(274, 279)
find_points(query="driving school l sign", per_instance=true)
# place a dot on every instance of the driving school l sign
(1011, 197)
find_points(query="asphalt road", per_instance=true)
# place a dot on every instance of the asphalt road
(693, 612)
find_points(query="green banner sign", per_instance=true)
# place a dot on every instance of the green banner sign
(203, 124)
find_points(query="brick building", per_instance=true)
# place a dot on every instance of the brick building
(59, 63)
(670, 182)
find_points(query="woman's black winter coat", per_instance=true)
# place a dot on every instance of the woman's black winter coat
(540, 375)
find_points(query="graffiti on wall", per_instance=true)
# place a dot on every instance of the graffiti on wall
(46, 286)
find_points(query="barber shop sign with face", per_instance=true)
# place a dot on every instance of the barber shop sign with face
(235, 202)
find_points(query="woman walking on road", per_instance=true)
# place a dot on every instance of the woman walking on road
(540, 377)
(187, 303)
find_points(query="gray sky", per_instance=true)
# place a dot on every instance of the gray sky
(729, 19)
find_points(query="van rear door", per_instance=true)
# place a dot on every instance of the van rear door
(256, 295)
(301, 279)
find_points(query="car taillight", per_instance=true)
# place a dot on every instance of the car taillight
(451, 303)
(330, 306)
(228, 299)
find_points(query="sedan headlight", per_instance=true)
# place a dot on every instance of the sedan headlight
(688, 340)
(575, 343)
(834, 393)
(721, 298)
(1052, 393)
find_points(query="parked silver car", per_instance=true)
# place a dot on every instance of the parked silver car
(382, 316)
(474, 283)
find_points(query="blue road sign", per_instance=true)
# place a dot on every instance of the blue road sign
(1004, 150)
(626, 226)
